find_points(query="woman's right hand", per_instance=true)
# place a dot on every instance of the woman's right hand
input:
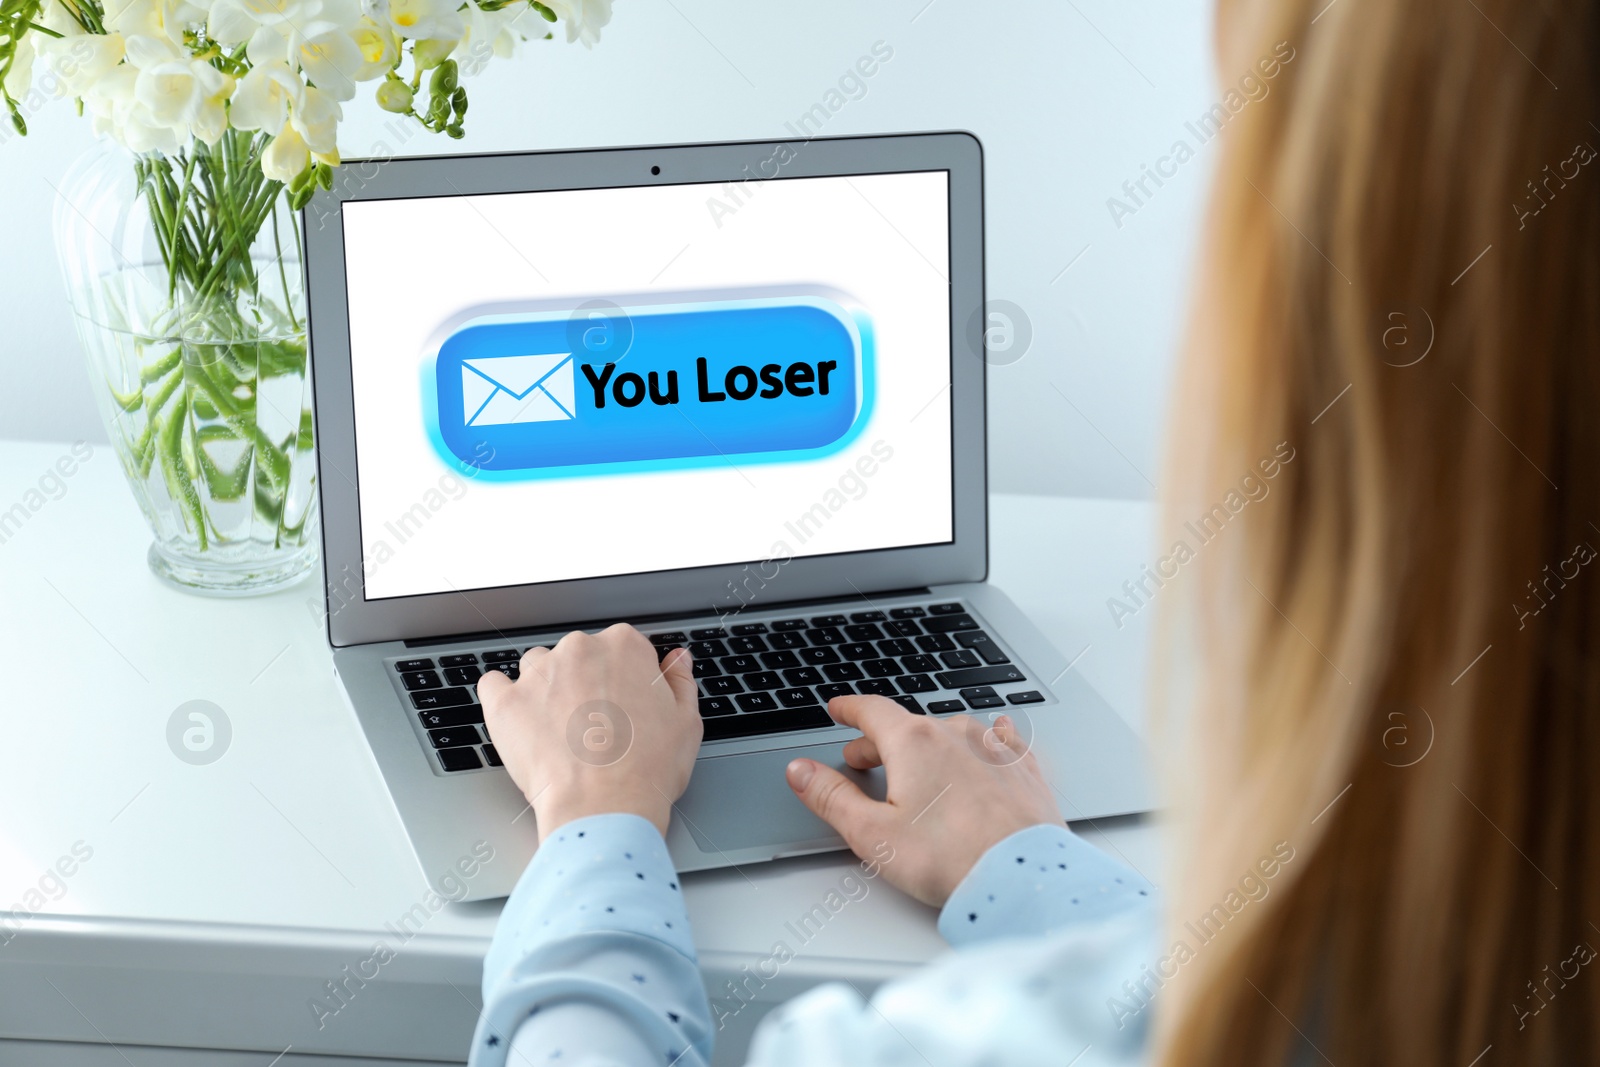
(957, 786)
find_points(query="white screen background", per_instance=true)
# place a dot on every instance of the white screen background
(413, 264)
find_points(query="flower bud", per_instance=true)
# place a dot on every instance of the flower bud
(444, 79)
(395, 96)
(429, 54)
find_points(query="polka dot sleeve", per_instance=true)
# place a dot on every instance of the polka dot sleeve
(592, 962)
(1036, 881)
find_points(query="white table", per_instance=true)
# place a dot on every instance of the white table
(219, 899)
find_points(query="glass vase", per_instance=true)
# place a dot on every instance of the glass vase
(184, 277)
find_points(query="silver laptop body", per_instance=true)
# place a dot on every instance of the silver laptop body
(494, 344)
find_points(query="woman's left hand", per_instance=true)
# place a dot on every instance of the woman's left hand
(595, 725)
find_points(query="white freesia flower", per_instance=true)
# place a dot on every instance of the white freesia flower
(316, 118)
(380, 49)
(285, 156)
(235, 21)
(186, 94)
(117, 112)
(19, 79)
(434, 20)
(264, 97)
(80, 60)
(332, 60)
(161, 19)
(584, 18)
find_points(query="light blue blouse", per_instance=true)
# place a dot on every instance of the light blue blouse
(593, 964)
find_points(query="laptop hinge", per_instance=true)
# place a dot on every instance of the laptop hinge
(648, 620)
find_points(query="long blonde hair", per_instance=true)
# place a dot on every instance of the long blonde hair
(1396, 652)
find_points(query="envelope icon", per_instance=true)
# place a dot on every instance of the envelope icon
(499, 390)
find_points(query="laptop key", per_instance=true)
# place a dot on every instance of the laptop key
(826, 635)
(827, 620)
(663, 650)
(441, 698)
(415, 680)
(983, 645)
(448, 717)
(510, 670)
(787, 640)
(798, 697)
(454, 736)
(935, 643)
(950, 623)
(763, 680)
(789, 624)
(778, 661)
(771, 722)
(902, 628)
(745, 645)
(897, 646)
(493, 756)
(858, 650)
(710, 633)
(946, 609)
(1027, 696)
(724, 686)
(843, 672)
(979, 676)
(865, 631)
(916, 683)
(882, 668)
(756, 701)
(465, 659)
(740, 664)
(834, 689)
(802, 676)
(711, 707)
(706, 668)
(979, 703)
(459, 759)
(705, 648)
(882, 687)
(819, 655)
(745, 629)
(414, 665)
(909, 703)
(506, 655)
(906, 613)
(961, 657)
(462, 675)
(919, 664)
(867, 616)
(942, 706)
(671, 637)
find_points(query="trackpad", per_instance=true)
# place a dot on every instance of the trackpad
(744, 801)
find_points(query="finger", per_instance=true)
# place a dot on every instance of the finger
(678, 669)
(492, 688)
(862, 753)
(872, 715)
(533, 662)
(834, 799)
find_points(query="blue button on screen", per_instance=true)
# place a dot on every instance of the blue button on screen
(776, 378)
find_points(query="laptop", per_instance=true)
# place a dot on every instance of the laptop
(732, 394)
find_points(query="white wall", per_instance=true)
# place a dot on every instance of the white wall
(1070, 97)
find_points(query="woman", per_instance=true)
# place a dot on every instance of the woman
(1387, 692)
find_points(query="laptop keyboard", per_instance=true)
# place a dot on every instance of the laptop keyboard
(758, 678)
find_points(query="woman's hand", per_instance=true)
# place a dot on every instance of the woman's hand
(594, 725)
(956, 787)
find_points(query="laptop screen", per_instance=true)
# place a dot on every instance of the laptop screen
(594, 382)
